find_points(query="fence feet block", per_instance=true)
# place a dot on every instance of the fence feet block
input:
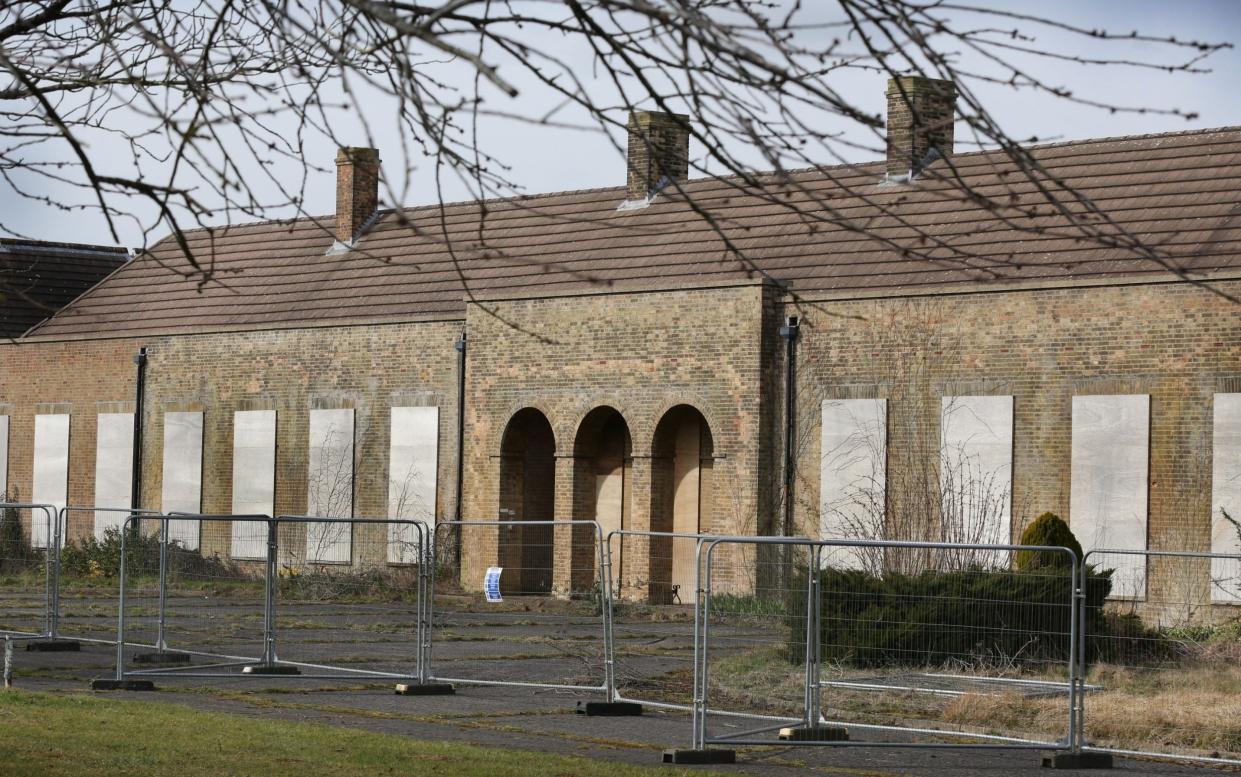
(276, 669)
(1077, 760)
(122, 685)
(609, 709)
(162, 657)
(815, 734)
(54, 646)
(425, 689)
(713, 756)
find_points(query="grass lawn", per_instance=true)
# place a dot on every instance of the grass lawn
(42, 734)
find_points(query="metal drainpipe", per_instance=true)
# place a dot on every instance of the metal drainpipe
(789, 332)
(135, 494)
(460, 346)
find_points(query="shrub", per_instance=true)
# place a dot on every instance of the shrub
(1049, 531)
(101, 559)
(928, 619)
(16, 555)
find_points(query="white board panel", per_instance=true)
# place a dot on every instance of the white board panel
(413, 459)
(1226, 498)
(51, 472)
(4, 456)
(254, 479)
(114, 467)
(183, 474)
(1109, 488)
(330, 485)
(976, 474)
(853, 478)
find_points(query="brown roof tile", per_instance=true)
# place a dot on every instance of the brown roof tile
(833, 229)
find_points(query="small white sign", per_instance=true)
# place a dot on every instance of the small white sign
(491, 584)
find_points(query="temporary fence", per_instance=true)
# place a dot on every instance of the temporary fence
(1161, 655)
(84, 598)
(540, 586)
(30, 537)
(655, 607)
(923, 649)
(300, 596)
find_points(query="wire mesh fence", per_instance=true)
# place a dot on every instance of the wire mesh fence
(287, 613)
(523, 604)
(655, 608)
(29, 535)
(1161, 655)
(939, 644)
(86, 591)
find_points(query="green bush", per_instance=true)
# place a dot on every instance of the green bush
(102, 558)
(1048, 531)
(928, 619)
(16, 555)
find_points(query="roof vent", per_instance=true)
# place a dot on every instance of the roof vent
(357, 193)
(658, 155)
(921, 112)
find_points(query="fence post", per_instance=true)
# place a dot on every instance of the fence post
(160, 644)
(269, 599)
(605, 603)
(54, 593)
(813, 610)
(8, 662)
(120, 614)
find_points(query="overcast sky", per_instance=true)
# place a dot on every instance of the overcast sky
(545, 160)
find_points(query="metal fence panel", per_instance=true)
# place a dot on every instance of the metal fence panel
(279, 616)
(932, 645)
(28, 574)
(86, 591)
(545, 624)
(654, 616)
(1162, 660)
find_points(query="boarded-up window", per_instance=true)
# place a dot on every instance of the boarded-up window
(852, 478)
(1108, 493)
(330, 485)
(183, 474)
(51, 473)
(254, 479)
(412, 465)
(114, 467)
(1226, 498)
(976, 475)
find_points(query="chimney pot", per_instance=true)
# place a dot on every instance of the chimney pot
(921, 112)
(658, 150)
(357, 191)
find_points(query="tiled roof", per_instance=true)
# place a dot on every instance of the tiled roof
(38, 278)
(832, 230)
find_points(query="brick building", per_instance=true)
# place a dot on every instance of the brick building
(609, 354)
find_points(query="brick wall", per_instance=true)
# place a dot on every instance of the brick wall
(1177, 343)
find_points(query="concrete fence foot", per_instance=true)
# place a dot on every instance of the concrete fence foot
(122, 685)
(54, 646)
(815, 734)
(271, 669)
(1077, 761)
(162, 657)
(425, 689)
(609, 709)
(712, 756)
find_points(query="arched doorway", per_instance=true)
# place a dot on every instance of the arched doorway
(527, 493)
(603, 473)
(681, 496)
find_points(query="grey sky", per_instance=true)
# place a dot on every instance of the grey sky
(543, 159)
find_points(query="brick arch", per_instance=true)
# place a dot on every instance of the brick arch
(527, 489)
(651, 428)
(499, 430)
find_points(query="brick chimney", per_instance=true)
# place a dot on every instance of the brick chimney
(920, 116)
(658, 149)
(357, 191)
